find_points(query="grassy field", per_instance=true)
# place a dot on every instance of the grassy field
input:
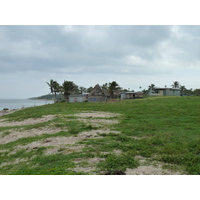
(95, 138)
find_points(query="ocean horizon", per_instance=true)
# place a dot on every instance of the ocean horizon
(21, 103)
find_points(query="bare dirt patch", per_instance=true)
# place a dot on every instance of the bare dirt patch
(54, 141)
(17, 161)
(89, 170)
(92, 118)
(66, 150)
(137, 138)
(62, 145)
(30, 121)
(89, 160)
(97, 115)
(15, 135)
(116, 152)
(150, 168)
(97, 122)
(96, 133)
(63, 141)
(4, 150)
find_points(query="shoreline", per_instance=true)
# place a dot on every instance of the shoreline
(13, 104)
(40, 100)
(6, 112)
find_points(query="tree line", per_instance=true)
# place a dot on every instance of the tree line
(69, 87)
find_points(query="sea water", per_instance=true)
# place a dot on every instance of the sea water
(21, 103)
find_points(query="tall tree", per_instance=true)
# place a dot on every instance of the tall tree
(105, 86)
(68, 87)
(54, 87)
(82, 89)
(50, 84)
(196, 92)
(113, 87)
(183, 89)
(152, 86)
(89, 89)
(175, 84)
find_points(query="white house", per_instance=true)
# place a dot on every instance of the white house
(164, 92)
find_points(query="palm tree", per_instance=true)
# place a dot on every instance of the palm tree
(82, 89)
(105, 86)
(68, 87)
(113, 87)
(152, 86)
(183, 89)
(50, 84)
(54, 86)
(175, 84)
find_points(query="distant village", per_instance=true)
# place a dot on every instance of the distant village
(70, 92)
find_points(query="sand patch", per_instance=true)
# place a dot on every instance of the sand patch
(60, 141)
(17, 161)
(137, 138)
(54, 141)
(89, 170)
(97, 122)
(150, 168)
(29, 121)
(63, 141)
(95, 133)
(66, 150)
(95, 160)
(4, 150)
(89, 160)
(91, 118)
(15, 135)
(97, 115)
(115, 152)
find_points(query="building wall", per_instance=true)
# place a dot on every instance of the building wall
(159, 92)
(96, 99)
(130, 95)
(123, 96)
(174, 93)
(165, 92)
(76, 99)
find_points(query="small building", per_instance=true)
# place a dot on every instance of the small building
(97, 95)
(78, 98)
(131, 95)
(164, 92)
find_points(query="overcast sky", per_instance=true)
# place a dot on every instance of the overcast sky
(133, 56)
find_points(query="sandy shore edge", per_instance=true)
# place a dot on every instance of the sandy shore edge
(6, 112)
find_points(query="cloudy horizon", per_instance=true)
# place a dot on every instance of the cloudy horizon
(133, 56)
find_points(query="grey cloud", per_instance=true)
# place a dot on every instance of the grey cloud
(100, 51)
(82, 47)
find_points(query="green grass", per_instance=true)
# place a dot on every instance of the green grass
(168, 128)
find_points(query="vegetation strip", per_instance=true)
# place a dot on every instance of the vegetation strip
(154, 135)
